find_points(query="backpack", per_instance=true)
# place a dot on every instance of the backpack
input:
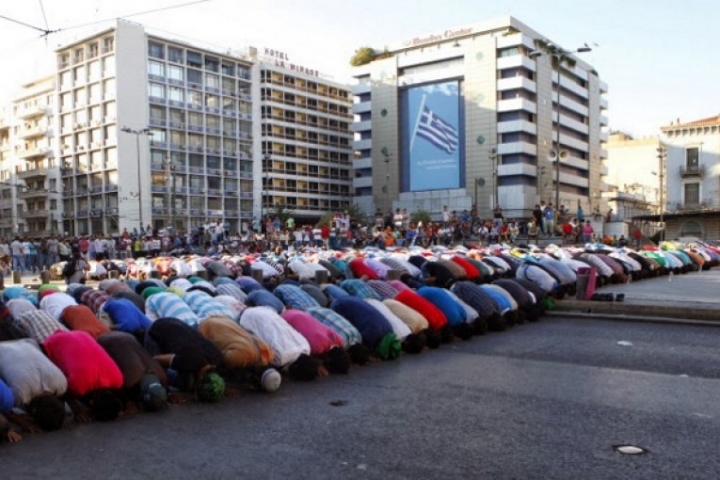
(69, 268)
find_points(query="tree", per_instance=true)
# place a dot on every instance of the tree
(282, 212)
(362, 56)
(421, 216)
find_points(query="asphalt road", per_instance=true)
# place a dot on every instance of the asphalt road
(541, 401)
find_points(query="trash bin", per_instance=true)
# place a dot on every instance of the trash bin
(586, 278)
(44, 277)
(17, 277)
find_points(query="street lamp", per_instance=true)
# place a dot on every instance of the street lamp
(559, 55)
(265, 188)
(386, 188)
(137, 133)
(493, 160)
(662, 155)
(170, 185)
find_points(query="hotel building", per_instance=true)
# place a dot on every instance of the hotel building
(302, 134)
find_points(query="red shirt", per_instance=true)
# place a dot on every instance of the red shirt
(470, 269)
(435, 317)
(359, 269)
(85, 364)
(84, 245)
(325, 232)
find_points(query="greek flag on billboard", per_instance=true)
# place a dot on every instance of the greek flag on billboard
(437, 131)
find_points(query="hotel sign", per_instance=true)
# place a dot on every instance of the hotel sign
(282, 60)
(446, 35)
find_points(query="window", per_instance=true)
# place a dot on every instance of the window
(175, 55)
(212, 81)
(156, 50)
(692, 194)
(157, 91)
(157, 113)
(156, 68)
(194, 76)
(177, 94)
(692, 158)
(194, 59)
(176, 73)
(212, 64)
(228, 68)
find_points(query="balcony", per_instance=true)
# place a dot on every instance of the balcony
(35, 172)
(688, 171)
(40, 213)
(32, 110)
(25, 194)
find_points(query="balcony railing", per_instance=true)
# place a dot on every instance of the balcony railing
(692, 171)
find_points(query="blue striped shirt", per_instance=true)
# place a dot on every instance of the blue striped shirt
(169, 305)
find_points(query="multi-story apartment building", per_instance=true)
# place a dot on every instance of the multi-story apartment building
(691, 153)
(29, 177)
(470, 117)
(302, 133)
(152, 131)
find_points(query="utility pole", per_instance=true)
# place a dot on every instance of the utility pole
(662, 155)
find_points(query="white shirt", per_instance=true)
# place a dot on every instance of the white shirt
(16, 247)
(286, 343)
(28, 372)
(399, 327)
(55, 303)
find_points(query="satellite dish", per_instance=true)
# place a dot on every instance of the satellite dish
(480, 182)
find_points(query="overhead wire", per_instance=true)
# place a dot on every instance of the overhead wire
(47, 31)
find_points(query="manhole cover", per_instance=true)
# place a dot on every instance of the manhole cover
(629, 449)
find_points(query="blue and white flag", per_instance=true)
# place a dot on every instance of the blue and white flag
(437, 131)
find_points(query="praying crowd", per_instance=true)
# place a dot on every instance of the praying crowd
(153, 331)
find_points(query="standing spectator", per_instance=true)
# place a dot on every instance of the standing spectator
(84, 245)
(42, 250)
(18, 255)
(446, 216)
(498, 214)
(537, 214)
(52, 250)
(100, 245)
(580, 213)
(637, 237)
(588, 232)
(31, 258)
(398, 219)
(549, 213)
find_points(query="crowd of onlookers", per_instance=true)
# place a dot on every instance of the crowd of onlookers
(389, 229)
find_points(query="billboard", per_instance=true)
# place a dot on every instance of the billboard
(432, 137)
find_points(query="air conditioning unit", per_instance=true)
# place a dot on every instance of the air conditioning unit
(81, 147)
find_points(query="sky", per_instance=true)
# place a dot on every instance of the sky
(657, 57)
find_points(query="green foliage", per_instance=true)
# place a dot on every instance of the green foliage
(282, 212)
(362, 56)
(420, 216)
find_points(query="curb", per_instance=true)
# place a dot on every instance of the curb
(627, 309)
(633, 318)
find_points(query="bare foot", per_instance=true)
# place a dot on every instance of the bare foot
(13, 436)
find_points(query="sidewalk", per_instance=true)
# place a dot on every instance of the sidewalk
(693, 296)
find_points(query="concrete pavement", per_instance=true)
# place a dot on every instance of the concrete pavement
(692, 296)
